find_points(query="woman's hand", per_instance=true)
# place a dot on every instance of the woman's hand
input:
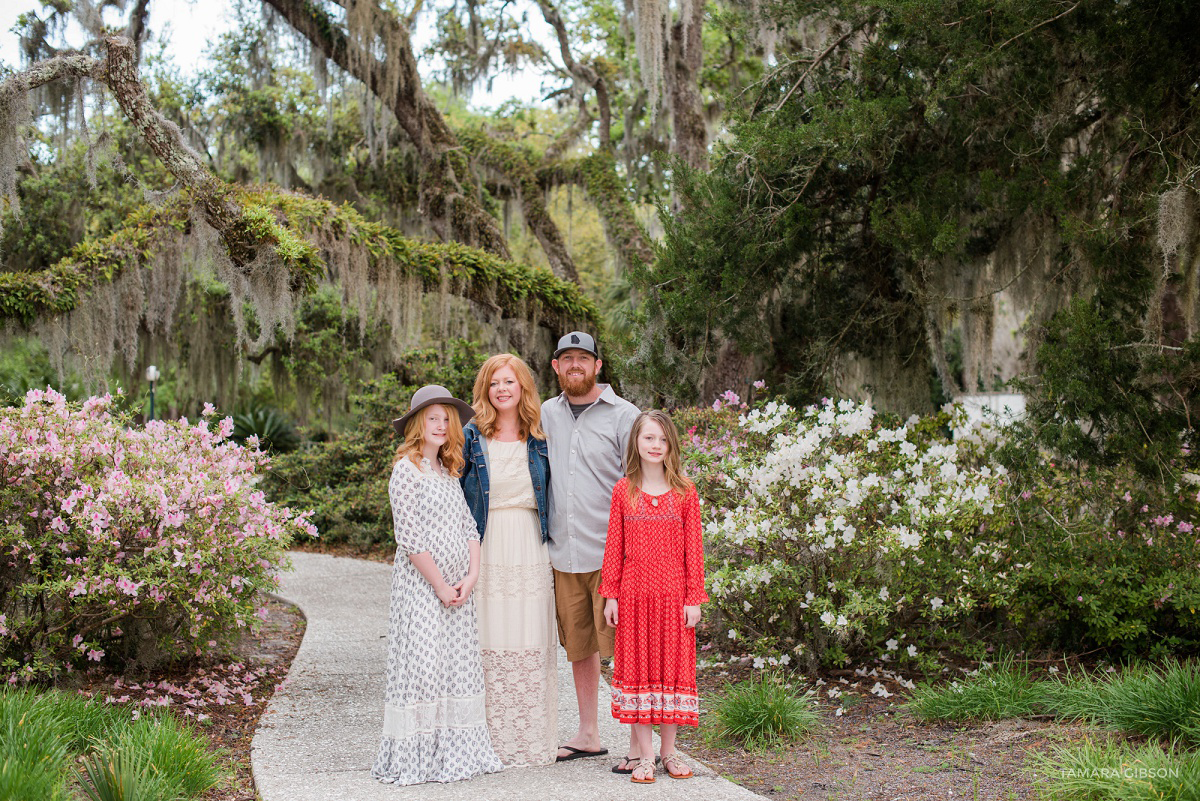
(691, 616)
(610, 612)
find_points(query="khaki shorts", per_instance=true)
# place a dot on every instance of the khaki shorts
(581, 626)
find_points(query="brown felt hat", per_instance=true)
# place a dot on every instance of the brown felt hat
(429, 395)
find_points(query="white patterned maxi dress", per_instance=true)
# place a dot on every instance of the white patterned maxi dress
(517, 628)
(434, 723)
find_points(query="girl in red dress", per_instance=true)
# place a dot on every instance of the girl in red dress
(653, 578)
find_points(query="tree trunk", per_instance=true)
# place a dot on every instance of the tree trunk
(685, 57)
(448, 195)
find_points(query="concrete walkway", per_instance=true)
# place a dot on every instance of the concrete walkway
(318, 737)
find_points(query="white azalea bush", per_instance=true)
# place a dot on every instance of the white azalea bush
(830, 532)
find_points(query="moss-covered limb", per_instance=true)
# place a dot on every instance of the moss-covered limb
(27, 295)
(517, 165)
(472, 272)
(292, 225)
(597, 174)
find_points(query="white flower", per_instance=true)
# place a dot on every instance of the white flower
(881, 691)
(937, 603)
(827, 618)
(732, 634)
(892, 644)
(912, 650)
(746, 606)
(884, 594)
(840, 711)
(759, 663)
(785, 659)
(841, 620)
(908, 449)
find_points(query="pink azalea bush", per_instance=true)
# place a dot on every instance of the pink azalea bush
(127, 545)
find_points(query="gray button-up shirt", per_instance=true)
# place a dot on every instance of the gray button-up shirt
(587, 459)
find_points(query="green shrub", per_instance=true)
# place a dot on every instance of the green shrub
(834, 533)
(763, 713)
(1119, 771)
(1112, 560)
(275, 433)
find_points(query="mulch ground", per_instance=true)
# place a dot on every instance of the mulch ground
(875, 750)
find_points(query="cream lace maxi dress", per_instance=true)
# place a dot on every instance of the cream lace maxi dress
(516, 615)
(434, 727)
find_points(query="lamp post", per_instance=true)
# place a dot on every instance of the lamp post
(152, 376)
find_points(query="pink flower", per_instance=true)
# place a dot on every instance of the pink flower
(760, 384)
(128, 587)
(95, 655)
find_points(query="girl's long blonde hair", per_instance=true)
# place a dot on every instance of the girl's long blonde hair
(677, 479)
(451, 452)
(529, 408)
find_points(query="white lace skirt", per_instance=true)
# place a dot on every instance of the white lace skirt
(519, 639)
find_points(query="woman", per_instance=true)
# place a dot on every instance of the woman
(434, 726)
(506, 482)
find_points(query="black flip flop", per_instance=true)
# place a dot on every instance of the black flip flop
(578, 753)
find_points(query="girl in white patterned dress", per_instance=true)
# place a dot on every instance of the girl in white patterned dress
(434, 726)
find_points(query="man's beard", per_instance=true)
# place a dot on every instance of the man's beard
(576, 387)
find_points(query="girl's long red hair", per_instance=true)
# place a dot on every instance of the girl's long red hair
(451, 452)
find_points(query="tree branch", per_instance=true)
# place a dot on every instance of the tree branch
(120, 73)
(69, 65)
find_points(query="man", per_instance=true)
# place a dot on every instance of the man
(586, 428)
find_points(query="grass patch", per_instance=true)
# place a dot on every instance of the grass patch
(1119, 771)
(1162, 702)
(763, 713)
(42, 734)
(1003, 690)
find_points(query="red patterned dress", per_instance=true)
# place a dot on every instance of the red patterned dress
(654, 566)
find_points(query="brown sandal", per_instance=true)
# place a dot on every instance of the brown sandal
(681, 770)
(642, 765)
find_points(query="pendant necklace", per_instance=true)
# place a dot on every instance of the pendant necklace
(654, 501)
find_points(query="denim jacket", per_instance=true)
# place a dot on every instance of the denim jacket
(474, 478)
